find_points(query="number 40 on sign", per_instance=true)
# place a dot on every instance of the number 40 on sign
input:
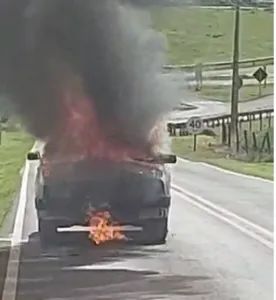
(195, 126)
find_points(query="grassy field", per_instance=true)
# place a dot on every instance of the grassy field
(205, 35)
(205, 152)
(183, 147)
(12, 155)
(223, 93)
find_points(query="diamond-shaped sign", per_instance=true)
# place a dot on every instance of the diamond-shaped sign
(260, 74)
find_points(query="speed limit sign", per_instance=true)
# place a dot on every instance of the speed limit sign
(195, 125)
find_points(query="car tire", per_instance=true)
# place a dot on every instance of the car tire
(48, 233)
(154, 232)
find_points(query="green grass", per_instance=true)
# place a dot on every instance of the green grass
(205, 35)
(13, 148)
(223, 93)
(183, 147)
(256, 125)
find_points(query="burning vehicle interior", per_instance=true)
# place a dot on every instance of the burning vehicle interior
(85, 78)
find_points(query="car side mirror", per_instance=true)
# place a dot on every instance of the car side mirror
(33, 156)
(167, 158)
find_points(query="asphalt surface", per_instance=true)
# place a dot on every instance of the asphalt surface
(218, 77)
(205, 108)
(250, 198)
(204, 257)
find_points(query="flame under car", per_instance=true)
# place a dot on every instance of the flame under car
(134, 193)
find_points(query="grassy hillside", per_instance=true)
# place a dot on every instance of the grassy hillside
(200, 35)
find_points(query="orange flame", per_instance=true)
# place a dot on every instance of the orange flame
(80, 137)
(102, 228)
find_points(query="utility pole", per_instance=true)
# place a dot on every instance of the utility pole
(235, 82)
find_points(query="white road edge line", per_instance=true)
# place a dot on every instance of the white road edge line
(244, 230)
(225, 170)
(9, 240)
(5, 240)
(10, 284)
(223, 211)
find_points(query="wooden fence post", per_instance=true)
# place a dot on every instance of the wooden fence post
(263, 142)
(255, 146)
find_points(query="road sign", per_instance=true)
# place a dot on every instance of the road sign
(195, 125)
(260, 74)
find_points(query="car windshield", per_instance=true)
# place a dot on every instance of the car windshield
(136, 149)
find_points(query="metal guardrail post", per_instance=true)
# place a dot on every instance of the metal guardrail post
(223, 134)
(229, 136)
(245, 141)
(269, 121)
(261, 121)
(250, 123)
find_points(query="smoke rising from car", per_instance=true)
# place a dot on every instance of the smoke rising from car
(105, 48)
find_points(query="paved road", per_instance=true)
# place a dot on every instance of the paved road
(204, 258)
(210, 108)
(218, 77)
(248, 197)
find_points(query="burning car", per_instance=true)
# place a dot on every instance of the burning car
(98, 100)
(104, 200)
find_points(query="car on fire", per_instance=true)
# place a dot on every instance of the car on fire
(135, 193)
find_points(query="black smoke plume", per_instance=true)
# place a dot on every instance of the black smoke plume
(49, 45)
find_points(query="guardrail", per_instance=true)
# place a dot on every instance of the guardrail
(246, 63)
(179, 127)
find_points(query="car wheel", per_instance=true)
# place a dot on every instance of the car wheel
(154, 232)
